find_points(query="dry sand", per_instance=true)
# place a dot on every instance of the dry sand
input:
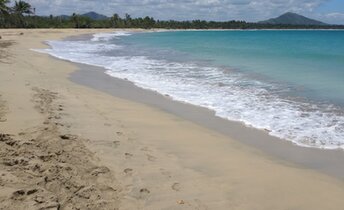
(66, 146)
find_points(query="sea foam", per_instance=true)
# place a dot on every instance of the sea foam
(108, 36)
(230, 94)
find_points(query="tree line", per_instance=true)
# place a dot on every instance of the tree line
(14, 16)
(22, 15)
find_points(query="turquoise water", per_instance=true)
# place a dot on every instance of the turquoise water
(309, 61)
(288, 83)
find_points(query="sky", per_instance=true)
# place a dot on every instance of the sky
(329, 11)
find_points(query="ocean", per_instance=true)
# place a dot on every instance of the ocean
(289, 83)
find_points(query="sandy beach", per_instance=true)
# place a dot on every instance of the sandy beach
(67, 145)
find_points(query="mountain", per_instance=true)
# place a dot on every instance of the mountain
(95, 16)
(290, 18)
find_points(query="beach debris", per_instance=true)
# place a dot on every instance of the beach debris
(181, 202)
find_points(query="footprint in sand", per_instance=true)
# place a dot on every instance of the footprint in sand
(116, 143)
(200, 205)
(150, 157)
(20, 194)
(60, 108)
(100, 170)
(128, 155)
(166, 173)
(131, 139)
(145, 149)
(128, 171)
(176, 186)
(144, 192)
(69, 137)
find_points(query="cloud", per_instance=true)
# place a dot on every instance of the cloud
(249, 10)
(334, 17)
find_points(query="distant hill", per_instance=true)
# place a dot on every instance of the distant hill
(290, 18)
(95, 16)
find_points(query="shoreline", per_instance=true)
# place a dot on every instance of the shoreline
(324, 160)
(331, 142)
(142, 156)
(305, 29)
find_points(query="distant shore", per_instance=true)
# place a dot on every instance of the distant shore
(99, 142)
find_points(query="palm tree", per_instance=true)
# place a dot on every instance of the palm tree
(4, 9)
(4, 12)
(20, 8)
(76, 20)
(114, 20)
(128, 20)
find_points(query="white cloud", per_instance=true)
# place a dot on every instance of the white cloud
(335, 17)
(249, 10)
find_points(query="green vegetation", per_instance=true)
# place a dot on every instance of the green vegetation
(22, 15)
(4, 12)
